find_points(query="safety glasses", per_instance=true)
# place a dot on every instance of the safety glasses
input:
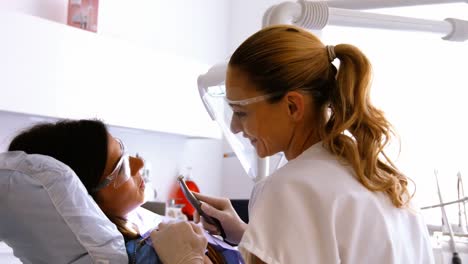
(220, 92)
(120, 174)
(252, 100)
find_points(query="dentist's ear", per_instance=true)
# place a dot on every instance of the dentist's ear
(296, 105)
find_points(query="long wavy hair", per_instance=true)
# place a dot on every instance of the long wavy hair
(282, 58)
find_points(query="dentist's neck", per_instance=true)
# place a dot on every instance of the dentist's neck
(302, 139)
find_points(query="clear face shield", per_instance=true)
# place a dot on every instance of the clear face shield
(213, 94)
(219, 109)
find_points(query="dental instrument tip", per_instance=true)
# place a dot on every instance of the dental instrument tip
(456, 259)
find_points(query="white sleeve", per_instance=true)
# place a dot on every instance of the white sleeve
(288, 224)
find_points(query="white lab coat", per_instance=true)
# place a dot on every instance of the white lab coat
(313, 210)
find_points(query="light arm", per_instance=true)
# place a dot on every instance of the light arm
(372, 4)
(318, 14)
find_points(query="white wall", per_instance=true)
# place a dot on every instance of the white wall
(245, 19)
(55, 10)
(72, 73)
(190, 28)
(236, 184)
(205, 157)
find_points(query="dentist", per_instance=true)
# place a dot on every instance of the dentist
(339, 199)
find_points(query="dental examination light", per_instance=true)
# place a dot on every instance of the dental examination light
(315, 15)
(318, 14)
(372, 4)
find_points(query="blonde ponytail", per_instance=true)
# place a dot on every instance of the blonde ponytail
(368, 130)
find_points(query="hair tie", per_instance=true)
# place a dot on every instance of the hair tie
(331, 52)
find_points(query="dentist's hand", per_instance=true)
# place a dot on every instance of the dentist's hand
(179, 243)
(221, 208)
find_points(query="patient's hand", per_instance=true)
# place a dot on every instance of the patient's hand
(179, 243)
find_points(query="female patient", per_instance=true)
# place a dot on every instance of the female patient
(113, 179)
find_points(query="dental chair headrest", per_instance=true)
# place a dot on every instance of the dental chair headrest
(47, 215)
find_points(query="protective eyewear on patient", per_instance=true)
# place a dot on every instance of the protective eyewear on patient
(120, 174)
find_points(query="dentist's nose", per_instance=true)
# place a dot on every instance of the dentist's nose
(236, 127)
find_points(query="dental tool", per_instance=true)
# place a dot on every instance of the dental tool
(444, 204)
(461, 194)
(197, 205)
(455, 258)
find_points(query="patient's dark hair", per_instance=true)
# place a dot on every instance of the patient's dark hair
(80, 144)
